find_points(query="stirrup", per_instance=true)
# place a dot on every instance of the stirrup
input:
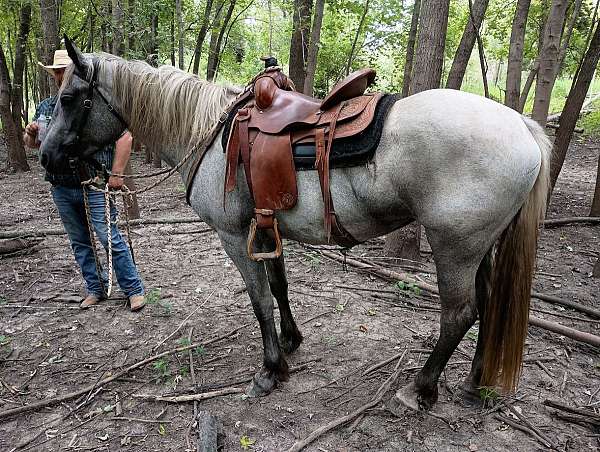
(258, 257)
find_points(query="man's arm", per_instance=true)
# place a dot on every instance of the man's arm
(122, 154)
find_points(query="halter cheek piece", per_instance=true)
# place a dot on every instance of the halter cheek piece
(88, 103)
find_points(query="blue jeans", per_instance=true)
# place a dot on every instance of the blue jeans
(71, 208)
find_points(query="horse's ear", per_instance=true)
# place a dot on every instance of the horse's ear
(76, 55)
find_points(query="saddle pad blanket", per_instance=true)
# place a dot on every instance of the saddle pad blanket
(345, 152)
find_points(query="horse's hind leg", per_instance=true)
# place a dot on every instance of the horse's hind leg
(290, 337)
(274, 368)
(456, 281)
(482, 288)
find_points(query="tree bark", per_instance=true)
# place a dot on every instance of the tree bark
(299, 42)
(172, 29)
(117, 31)
(201, 36)
(575, 99)
(50, 42)
(156, 160)
(515, 55)
(410, 48)
(19, 68)
(215, 45)
(549, 61)
(427, 74)
(313, 48)
(356, 36)
(17, 160)
(465, 48)
(595, 209)
(179, 13)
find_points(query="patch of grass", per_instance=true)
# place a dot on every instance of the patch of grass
(408, 288)
(4, 340)
(488, 395)
(184, 342)
(3, 300)
(199, 350)
(154, 298)
(591, 121)
(161, 369)
(246, 442)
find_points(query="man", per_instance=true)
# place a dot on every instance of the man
(67, 193)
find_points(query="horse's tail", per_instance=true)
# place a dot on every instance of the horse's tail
(507, 311)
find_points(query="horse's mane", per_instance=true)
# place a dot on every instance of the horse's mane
(165, 107)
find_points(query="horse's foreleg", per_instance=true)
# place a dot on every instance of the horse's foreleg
(274, 368)
(290, 337)
(458, 314)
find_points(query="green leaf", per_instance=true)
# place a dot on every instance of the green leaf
(162, 431)
(339, 307)
(246, 442)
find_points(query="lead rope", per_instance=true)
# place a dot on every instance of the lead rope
(93, 240)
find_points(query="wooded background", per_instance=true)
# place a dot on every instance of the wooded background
(536, 56)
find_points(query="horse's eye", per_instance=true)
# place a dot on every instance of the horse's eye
(66, 98)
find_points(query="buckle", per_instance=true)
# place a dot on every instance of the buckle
(87, 103)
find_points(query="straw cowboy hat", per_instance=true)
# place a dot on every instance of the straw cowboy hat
(61, 61)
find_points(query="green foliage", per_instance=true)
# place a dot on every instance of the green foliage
(590, 122)
(161, 369)
(408, 288)
(4, 340)
(488, 395)
(246, 443)
(153, 297)
(3, 300)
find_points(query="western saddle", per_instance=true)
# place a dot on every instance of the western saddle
(265, 130)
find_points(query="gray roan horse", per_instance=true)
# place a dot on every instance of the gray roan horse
(473, 172)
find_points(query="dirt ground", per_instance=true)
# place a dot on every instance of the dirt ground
(48, 347)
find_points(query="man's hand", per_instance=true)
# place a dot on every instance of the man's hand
(115, 182)
(30, 135)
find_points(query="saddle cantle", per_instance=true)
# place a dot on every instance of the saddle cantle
(265, 130)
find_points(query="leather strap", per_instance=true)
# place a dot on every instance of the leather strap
(243, 118)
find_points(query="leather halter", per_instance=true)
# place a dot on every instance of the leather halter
(88, 103)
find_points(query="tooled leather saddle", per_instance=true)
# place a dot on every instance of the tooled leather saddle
(265, 130)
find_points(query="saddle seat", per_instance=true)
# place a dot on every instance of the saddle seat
(267, 127)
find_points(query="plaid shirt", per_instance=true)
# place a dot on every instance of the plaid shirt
(104, 156)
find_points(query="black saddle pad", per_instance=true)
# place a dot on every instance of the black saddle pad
(345, 152)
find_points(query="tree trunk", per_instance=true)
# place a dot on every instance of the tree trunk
(575, 99)
(410, 48)
(90, 39)
(356, 36)
(19, 67)
(465, 48)
(515, 55)
(313, 48)
(549, 61)
(153, 56)
(481, 52)
(595, 209)
(131, 202)
(299, 42)
(566, 38)
(427, 74)
(179, 13)
(172, 29)
(117, 31)
(49, 19)
(201, 36)
(215, 46)
(17, 160)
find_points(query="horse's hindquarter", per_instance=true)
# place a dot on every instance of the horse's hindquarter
(455, 161)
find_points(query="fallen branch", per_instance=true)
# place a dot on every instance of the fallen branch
(89, 388)
(383, 389)
(401, 276)
(190, 397)
(589, 414)
(568, 220)
(524, 429)
(60, 231)
(17, 244)
(551, 125)
(592, 98)
(569, 304)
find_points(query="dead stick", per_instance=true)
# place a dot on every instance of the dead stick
(384, 362)
(562, 221)
(571, 409)
(299, 445)
(191, 397)
(545, 441)
(61, 231)
(72, 395)
(570, 304)
(390, 274)
(520, 427)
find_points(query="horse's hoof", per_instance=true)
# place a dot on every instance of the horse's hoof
(406, 397)
(469, 395)
(289, 344)
(262, 384)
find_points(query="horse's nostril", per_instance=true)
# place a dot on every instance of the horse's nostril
(44, 159)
